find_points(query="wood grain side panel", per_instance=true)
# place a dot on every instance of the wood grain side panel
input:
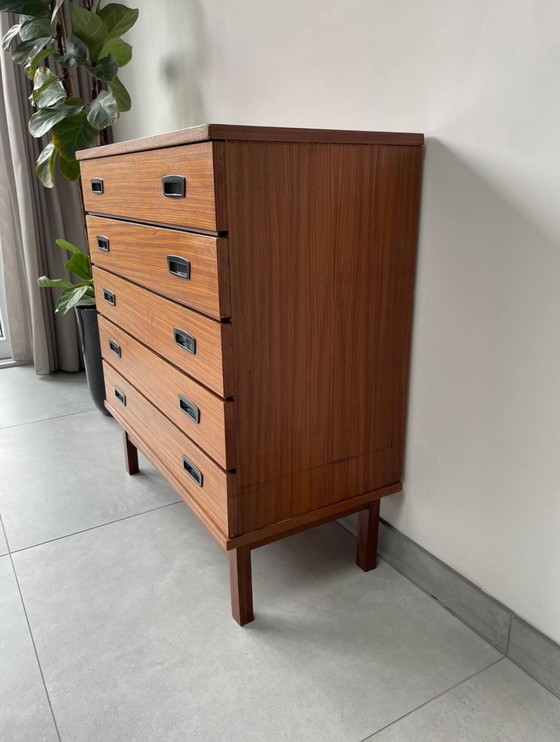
(170, 445)
(162, 384)
(151, 319)
(319, 238)
(140, 253)
(133, 188)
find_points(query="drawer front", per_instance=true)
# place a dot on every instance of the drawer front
(203, 416)
(200, 476)
(199, 346)
(189, 268)
(132, 186)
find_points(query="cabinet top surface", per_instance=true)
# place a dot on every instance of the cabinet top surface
(219, 132)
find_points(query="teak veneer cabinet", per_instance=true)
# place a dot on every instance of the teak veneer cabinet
(255, 290)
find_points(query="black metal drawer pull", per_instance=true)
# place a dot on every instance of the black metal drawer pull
(174, 186)
(190, 409)
(120, 396)
(103, 243)
(109, 297)
(184, 340)
(97, 186)
(179, 267)
(193, 471)
(115, 348)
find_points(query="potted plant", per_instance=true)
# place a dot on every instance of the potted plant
(54, 40)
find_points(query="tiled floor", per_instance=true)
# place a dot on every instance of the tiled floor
(115, 625)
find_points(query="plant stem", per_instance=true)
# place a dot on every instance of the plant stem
(61, 36)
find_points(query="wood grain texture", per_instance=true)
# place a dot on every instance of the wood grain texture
(252, 133)
(162, 383)
(130, 455)
(151, 319)
(368, 531)
(133, 189)
(170, 445)
(322, 249)
(139, 253)
(241, 585)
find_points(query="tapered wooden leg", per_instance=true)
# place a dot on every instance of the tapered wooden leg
(368, 529)
(130, 455)
(241, 585)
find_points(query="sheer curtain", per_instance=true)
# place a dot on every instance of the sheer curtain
(31, 219)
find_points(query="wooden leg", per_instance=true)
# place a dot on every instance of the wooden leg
(368, 529)
(241, 585)
(130, 455)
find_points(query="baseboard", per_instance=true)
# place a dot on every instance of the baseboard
(535, 653)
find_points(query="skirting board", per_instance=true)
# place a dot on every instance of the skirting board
(535, 653)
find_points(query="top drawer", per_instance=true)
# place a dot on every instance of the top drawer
(176, 186)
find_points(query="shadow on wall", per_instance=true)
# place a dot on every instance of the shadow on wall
(182, 68)
(485, 391)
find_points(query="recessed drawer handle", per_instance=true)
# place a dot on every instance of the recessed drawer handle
(103, 243)
(120, 396)
(184, 340)
(174, 186)
(97, 186)
(190, 409)
(179, 267)
(115, 348)
(109, 297)
(193, 471)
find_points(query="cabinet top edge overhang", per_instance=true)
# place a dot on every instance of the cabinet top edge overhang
(220, 132)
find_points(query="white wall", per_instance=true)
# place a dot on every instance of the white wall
(480, 78)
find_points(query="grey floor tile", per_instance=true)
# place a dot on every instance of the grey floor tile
(133, 627)
(63, 475)
(3, 545)
(501, 704)
(535, 653)
(24, 708)
(26, 397)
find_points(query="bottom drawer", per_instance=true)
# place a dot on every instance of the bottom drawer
(205, 481)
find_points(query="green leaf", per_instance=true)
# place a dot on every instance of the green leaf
(89, 27)
(44, 167)
(25, 51)
(73, 297)
(36, 29)
(120, 50)
(43, 120)
(65, 245)
(47, 88)
(103, 110)
(76, 52)
(73, 134)
(10, 36)
(24, 7)
(54, 283)
(106, 69)
(33, 64)
(118, 19)
(70, 169)
(121, 94)
(79, 265)
(56, 8)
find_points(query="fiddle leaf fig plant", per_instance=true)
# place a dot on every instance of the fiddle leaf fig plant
(73, 294)
(52, 46)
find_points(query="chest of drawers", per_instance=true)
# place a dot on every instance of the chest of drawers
(255, 289)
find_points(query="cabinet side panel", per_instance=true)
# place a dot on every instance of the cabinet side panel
(322, 248)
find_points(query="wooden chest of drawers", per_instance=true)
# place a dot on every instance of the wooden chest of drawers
(255, 291)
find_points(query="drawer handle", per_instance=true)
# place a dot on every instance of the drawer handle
(179, 267)
(115, 348)
(174, 186)
(97, 186)
(120, 396)
(184, 340)
(103, 243)
(193, 471)
(190, 409)
(109, 297)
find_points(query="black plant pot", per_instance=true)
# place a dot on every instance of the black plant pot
(89, 336)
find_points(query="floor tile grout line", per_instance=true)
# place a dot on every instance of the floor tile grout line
(45, 419)
(93, 528)
(439, 695)
(32, 637)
